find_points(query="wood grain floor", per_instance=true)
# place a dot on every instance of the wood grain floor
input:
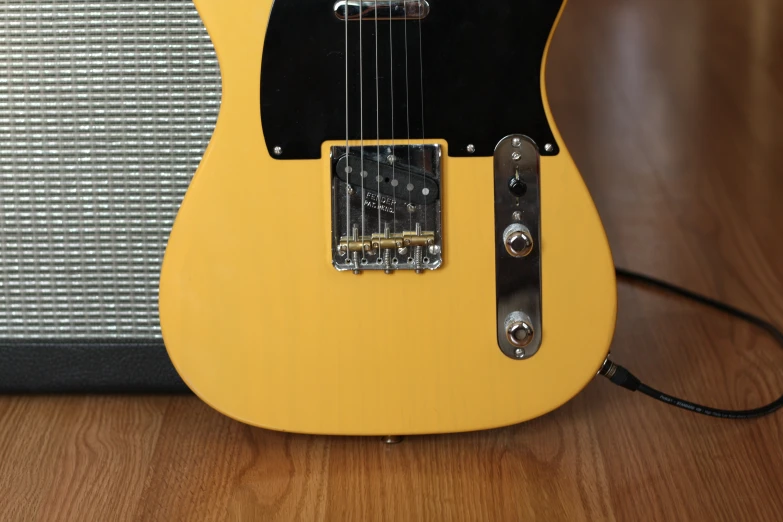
(673, 110)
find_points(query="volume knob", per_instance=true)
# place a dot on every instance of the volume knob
(518, 240)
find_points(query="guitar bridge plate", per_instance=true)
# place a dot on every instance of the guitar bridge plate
(386, 208)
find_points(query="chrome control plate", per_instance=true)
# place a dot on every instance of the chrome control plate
(386, 208)
(517, 264)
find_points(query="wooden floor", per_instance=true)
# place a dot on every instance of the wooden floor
(674, 111)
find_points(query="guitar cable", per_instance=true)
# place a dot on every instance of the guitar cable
(622, 377)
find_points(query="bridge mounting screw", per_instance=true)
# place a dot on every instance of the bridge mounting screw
(403, 251)
(471, 148)
(434, 250)
(549, 147)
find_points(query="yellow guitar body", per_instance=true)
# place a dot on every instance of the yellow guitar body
(261, 326)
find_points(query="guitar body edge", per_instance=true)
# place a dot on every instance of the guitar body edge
(262, 328)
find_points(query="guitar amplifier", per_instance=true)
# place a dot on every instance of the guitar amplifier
(106, 109)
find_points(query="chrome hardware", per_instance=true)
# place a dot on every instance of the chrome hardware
(608, 368)
(518, 240)
(471, 148)
(519, 332)
(402, 187)
(278, 151)
(549, 147)
(356, 263)
(517, 256)
(418, 250)
(418, 260)
(387, 261)
(386, 245)
(392, 439)
(386, 9)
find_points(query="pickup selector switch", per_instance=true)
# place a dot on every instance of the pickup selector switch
(517, 187)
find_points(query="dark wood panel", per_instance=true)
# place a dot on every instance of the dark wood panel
(672, 110)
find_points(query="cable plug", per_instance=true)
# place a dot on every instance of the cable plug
(619, 375)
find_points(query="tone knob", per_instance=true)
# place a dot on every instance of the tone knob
(519, 331)
(520, 334)
(518, 240)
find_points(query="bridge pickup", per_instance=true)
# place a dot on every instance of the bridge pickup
(382, 10)
(397, 180)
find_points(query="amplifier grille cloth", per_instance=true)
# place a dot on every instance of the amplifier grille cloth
(106, 108)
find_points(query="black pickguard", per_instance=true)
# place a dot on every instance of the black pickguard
(482, 76)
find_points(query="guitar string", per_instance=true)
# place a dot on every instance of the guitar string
(349, 232)
(378, 126)
(393, 152)
(408, 114)
(363, 174)
(423, 134)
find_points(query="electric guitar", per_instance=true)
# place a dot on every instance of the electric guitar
(387, 234)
